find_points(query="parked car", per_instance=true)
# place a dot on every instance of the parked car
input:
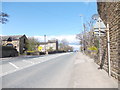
(9, 51)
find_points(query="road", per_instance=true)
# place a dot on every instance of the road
(41, 72)
(65, 70)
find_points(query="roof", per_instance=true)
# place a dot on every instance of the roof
(43, 43)
(52, 41)
(13, 37)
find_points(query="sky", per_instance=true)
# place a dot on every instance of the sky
(59, 20)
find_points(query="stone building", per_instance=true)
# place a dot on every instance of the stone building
(16, 41)
(110, 14)
(49, 45)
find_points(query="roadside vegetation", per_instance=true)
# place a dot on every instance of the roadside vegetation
(64, 46)
(32, 44)
(88, 40)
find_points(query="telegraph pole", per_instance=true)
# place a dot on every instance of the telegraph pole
(45, 42)
(84, 42)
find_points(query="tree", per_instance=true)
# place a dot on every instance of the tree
(3, 17)
(69, 48)
(87, 38)
(32, 44)
(64, 46)
(80, 37)
(50, 49)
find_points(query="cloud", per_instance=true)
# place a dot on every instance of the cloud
(69, 38)
(76, 47)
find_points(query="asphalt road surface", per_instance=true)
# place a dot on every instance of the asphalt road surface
(65, 70)
(51, 71)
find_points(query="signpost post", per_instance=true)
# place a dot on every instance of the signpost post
(108, 44)
(101, 30)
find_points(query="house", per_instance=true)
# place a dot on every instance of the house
(49, 46)
(16, 41)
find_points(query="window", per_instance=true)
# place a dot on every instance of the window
(24, 41)
(10, 45)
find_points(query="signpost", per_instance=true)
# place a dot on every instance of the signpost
(99, 30)
(40, 48)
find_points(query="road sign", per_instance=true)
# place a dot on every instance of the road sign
(99, 27)
(40, 48)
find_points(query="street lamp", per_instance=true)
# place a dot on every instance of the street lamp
(95, 16)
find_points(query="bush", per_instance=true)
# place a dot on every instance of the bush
(93, 48)
(32, 52)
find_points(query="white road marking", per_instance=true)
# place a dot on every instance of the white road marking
(13, 65)
(28, 61)
(17, 68)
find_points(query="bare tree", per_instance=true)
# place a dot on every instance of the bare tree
(64, 46)
(80, 37)
(3, 17)
(87, 38)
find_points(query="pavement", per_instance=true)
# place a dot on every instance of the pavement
(87, 75)
(66, 70)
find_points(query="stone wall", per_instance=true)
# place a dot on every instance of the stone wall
(22, 44)
(110, 13)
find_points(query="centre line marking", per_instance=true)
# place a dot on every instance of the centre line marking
(13, 65)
